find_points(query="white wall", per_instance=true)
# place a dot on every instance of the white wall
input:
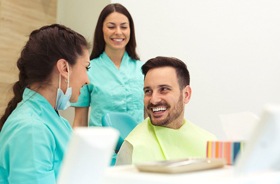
(232, 49)
(80, 15)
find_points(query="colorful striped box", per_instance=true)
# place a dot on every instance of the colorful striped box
(224, 149)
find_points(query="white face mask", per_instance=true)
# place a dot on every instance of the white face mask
(62, 100)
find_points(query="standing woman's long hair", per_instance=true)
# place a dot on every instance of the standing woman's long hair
(98, 40)
(39, 56)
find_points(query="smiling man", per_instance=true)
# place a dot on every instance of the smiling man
(165, 134)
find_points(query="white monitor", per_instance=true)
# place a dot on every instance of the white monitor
(262, 151)
(88, 155)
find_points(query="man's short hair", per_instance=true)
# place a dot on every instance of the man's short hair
(180, 67)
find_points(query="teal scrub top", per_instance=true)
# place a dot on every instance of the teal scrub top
(32, 142)
(113, 89)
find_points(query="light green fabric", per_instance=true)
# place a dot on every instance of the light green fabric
(112, 89)
(155, 143)
(32, 142)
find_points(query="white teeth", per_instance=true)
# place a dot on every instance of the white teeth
(159, 109)
(118, 40)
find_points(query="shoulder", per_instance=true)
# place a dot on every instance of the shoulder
(198, 130)
(136, 62)
(25, 131)
(141, 126)
(140, 132)
(128, 57)
(27, 122)
(139, 63)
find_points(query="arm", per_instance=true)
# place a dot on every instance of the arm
(31, 156)
(81, 117)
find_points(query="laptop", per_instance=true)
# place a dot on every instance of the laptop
(88, 154)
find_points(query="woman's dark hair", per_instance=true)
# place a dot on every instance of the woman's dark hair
(39, 56)
(98, 40)
(182, 71)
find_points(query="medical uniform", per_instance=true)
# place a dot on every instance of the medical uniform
(33, 142)
(148, 143)
(113, 89)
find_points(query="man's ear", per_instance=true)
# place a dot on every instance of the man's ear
(187, 94)
(61, 65)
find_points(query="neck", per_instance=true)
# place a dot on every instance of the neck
(116, 56)
(176, 123)
(48, 92)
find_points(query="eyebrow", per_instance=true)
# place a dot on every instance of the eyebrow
(159, 86)
(123, 23)
(164, 85)
(144, 88)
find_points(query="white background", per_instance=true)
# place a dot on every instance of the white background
(231, 47)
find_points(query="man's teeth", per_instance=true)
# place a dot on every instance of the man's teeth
(156, 109)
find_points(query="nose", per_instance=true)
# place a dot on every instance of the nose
(118, 30)
(155, 98)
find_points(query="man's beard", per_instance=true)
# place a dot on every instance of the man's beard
(178, 110)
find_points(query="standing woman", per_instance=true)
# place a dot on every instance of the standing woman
(116, 80)
(52, 69)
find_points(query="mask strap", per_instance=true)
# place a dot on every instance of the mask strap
(59, 78)
(59, 81)
(68, 80)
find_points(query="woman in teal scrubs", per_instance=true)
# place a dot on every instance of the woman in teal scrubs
(116, 80)
(52, 69)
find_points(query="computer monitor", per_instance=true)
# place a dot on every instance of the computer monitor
(88, 155)
(262, 151)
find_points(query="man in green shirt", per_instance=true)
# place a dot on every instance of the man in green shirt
(165, 134)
